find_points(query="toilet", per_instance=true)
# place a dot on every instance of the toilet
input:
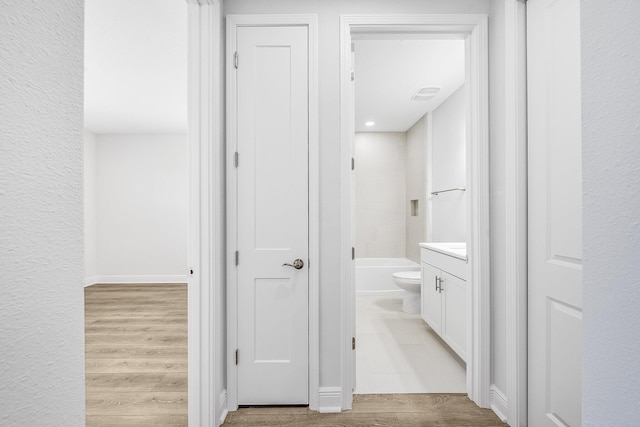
(410, 282)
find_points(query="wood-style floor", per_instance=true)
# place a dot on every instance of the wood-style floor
(136, 373)
(392, 410)
(136, 355)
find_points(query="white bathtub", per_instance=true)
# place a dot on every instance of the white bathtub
(373, 275)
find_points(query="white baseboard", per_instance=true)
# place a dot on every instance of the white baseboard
(330, 399)
(390, 293)
(135, 279)
(499, 403)
(222, 409)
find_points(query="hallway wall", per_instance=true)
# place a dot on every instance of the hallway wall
(140, 206)
(611, 239)
(41, 251)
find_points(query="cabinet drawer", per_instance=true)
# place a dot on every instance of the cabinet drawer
(452, 265)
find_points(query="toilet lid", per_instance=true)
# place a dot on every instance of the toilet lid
(407, 275)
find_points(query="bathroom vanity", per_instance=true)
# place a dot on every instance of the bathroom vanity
(444, 292)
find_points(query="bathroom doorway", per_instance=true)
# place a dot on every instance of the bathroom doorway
(409, 142)
(414, 106)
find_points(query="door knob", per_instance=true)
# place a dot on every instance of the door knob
(297, 264)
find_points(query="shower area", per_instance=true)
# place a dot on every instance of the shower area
(390, 193)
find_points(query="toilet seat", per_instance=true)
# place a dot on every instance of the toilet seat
(408, 276)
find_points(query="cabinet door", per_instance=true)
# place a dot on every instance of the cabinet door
(454, 324)
(431, 299)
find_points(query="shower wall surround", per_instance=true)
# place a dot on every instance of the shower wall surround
(380, 200)
(416, 187)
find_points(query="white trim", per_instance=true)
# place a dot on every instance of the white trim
(330, 400)
(310, 21)
(222, 407)
(479, 341)
(135, 279)
(206, 256)
(499, 403)
(474, 29)
(347, 235)
(516, 209)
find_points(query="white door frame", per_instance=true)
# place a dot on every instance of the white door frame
(205, 229)
(474, 29)
(513, 405)
(233, 22)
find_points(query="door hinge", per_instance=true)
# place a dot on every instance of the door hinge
(353, 75)
(353, 253)
(353, 343)
(235, 59)
(353, 163)
(236, 357)
(235, 159)
(237, 257)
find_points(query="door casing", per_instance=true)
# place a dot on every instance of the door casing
(233, 22)
(474, 30)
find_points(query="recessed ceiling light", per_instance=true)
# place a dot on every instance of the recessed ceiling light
(370, 123)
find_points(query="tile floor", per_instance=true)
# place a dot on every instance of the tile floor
(398, 353)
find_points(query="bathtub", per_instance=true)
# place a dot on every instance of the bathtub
(373, 275)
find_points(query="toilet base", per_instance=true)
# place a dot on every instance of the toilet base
(411, 302)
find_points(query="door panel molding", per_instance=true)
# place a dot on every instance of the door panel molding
(474, 29)
(554, 213)
(233, 23)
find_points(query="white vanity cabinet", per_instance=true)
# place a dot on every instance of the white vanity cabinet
(444, 296)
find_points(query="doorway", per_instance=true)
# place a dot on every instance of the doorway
(410, 142)
(472, 31)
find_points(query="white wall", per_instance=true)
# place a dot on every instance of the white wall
(41, 261)
(140, 184)
(329, 88)
(416, 187)
(611, 178)
(380, 205)
(89, 174)
(448, 170)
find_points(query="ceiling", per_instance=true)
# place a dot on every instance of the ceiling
(135, 66)
(389, 72)
(136, 71)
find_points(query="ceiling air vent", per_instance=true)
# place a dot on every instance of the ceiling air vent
(426, 93)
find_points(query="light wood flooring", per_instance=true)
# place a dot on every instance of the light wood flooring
(136, 355)
(136, 373)
(388, 410)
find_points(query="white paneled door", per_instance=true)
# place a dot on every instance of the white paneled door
(272, 143)
(555, 213)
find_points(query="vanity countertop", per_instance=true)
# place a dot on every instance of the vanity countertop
(453, 249)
